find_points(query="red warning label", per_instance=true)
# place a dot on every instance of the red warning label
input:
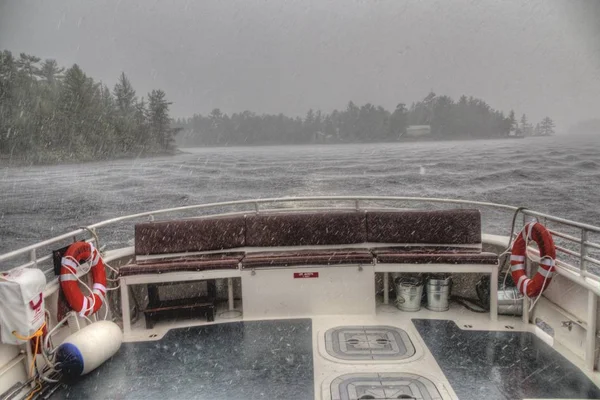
(300, 275)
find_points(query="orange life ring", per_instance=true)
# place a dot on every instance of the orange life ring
(533, 287)
(77, 253)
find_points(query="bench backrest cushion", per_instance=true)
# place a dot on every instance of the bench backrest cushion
(305, 229)
(445, 227)
(462, 227)
(190, 235)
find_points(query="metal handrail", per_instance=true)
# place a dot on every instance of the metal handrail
(256, 203)
(27, 249)
(565, 221)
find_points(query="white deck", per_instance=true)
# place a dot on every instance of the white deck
(327, 368)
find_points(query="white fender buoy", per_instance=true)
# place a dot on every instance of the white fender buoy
(87, 349)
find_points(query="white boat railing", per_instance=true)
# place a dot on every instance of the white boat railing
(581, 271)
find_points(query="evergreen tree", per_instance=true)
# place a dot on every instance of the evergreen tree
(398, 121)
(28, 64)
(526, 128)
(124, 95)
(51, 72)
(547, 127)
(512, 122)
(125, 124)
(158, 119)
(48, 114)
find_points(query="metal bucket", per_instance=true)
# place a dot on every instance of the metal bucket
(438, 293)
(509, 301)
(408, 293)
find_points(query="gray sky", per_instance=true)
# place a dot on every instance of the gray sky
(541, 57)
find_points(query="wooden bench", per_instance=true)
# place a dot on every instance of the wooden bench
(431, 241)
(176, 251)
(389, 241)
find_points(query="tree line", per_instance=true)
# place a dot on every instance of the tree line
(468, 117)
(543, 128)
(52, 114)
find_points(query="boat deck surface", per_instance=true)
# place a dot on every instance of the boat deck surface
(385, 356)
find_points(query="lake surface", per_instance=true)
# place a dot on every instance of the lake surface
(558, 175)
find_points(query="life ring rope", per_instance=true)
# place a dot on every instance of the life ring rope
(533, 287)
(69, 281)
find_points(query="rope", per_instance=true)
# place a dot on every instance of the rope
(508, 250)
(526, 232)
(109, 289)
(38, 333)
(93, 302)
(543, 286)
(463, 301)
(39, 387)
(37, 336)
(94, 235)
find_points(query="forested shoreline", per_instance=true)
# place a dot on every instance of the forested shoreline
(52, 114)
(467, 118)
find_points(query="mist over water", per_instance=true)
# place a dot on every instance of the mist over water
(558, 175)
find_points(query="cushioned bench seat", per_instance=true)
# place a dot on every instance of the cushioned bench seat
(203, 262)
(444, 227)
(412, 240)
(306, 229)
(189, 235)
(435, 257)
(306, 257)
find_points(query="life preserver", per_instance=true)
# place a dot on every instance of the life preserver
(77, 253)
(536, 285)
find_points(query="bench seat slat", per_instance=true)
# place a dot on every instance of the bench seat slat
(306, 257)
(197, 263)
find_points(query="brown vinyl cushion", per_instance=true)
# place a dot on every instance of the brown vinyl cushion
(181, 236)
(306, 257)
(433, 227)
(440, 257)
(305, 229)
(197, 263)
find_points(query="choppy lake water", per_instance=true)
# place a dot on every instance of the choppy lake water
(558, 175)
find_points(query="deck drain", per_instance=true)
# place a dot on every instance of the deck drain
(383, 386)
(368, 343)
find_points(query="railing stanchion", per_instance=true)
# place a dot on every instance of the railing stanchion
(590, 339)
(230, 299)
(386, 288)
(583, 250)
(525, 309)
(33, 257)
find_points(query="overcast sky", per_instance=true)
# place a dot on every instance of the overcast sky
(541, 57)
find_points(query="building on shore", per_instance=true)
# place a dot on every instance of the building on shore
(418, 131)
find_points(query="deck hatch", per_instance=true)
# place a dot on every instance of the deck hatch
(368, 343)
(383, 386)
